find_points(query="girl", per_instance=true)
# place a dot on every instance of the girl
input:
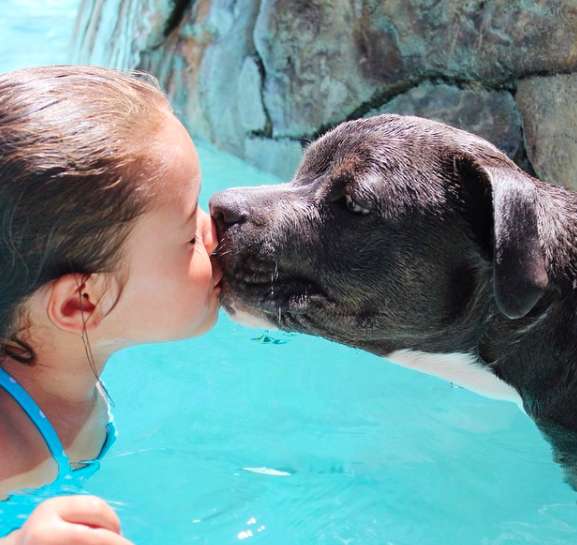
(102, 246)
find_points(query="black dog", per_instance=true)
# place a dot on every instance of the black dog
(423, 243)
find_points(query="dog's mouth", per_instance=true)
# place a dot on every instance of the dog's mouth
(265, 291)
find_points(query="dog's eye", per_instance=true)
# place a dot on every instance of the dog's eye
(355, 207)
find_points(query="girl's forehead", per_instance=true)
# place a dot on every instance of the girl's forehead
(175, 155)
(173, 142)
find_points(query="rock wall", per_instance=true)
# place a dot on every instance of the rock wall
(261, 78)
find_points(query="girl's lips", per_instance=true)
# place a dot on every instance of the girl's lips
(217, 272)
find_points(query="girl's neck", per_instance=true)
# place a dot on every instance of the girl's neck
(65, 386)
(57, 380)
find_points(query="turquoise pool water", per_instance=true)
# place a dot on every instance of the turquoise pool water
(265, 437)
(35, 32)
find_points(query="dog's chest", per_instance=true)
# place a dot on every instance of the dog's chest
(460, 369)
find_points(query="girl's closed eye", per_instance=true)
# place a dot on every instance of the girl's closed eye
(195, 236)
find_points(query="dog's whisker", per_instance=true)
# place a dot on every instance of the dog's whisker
(221, 254)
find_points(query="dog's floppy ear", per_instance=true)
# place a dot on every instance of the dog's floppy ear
(519, 268)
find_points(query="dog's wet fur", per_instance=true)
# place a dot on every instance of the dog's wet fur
(403, 236)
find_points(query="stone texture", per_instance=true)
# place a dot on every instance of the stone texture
(490, 114)
(470, 39)
(220, 71)
(249, 102)
(248, 72)
(313, 76)
(550, 118)
(278, 156)
(324, 58)
(116, 32)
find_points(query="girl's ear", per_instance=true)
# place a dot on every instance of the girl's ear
(77, 303)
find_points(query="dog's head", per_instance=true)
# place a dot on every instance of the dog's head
(391, 231)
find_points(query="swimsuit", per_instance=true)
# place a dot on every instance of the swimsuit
(66, 472)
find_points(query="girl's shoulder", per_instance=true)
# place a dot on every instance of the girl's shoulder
(24, 458)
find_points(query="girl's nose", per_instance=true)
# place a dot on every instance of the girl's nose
(208, 231)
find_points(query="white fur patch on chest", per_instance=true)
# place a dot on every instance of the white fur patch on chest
(250, 320)
(459, 368)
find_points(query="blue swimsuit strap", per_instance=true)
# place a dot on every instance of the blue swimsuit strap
(39, 419)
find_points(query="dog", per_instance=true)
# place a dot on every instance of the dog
(424, 244)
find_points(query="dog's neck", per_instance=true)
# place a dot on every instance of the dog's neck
(530, 353)
(537, 354)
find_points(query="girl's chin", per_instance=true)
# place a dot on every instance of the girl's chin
(209, 321)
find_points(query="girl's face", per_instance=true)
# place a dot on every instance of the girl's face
(171, 287)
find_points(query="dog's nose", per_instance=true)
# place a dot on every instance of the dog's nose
(227, 208)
